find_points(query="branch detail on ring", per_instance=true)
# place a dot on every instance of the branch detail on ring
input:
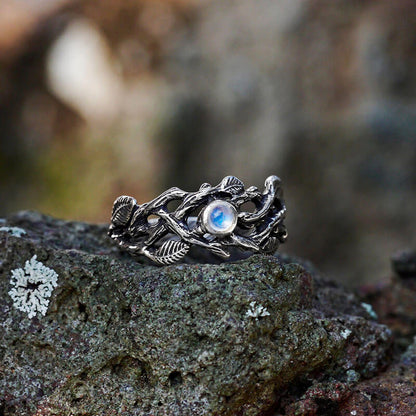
(212, 217)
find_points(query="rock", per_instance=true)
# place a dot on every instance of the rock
(123, 337)
(390, 393)
(404, 264)
(394, 301)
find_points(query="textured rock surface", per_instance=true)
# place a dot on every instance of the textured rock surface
(122, 337)
(391, 393)
(394, 301)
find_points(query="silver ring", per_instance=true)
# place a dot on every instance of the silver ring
(214, 218)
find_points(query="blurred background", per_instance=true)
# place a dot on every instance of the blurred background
(99, 99)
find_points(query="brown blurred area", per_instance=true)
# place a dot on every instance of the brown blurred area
(99, 99)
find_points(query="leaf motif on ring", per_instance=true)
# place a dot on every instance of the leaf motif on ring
(170, 252)
(122, 210)
(232, 185)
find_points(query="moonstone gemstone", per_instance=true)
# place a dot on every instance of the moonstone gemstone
(219, 218)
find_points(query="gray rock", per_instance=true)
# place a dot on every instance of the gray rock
(123, 337)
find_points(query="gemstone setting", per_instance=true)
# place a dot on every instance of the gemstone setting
(219, 218)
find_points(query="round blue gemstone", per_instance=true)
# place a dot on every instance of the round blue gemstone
(220, 218)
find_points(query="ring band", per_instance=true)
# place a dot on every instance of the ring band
(220, 221)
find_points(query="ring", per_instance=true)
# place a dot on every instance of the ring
(215, 218)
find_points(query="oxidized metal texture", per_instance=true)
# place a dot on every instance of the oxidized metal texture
(168, 236)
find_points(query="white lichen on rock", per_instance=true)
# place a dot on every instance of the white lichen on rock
(14, 231)
(32, 287)
(256, 311)
(369, 309)
(345, 333)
